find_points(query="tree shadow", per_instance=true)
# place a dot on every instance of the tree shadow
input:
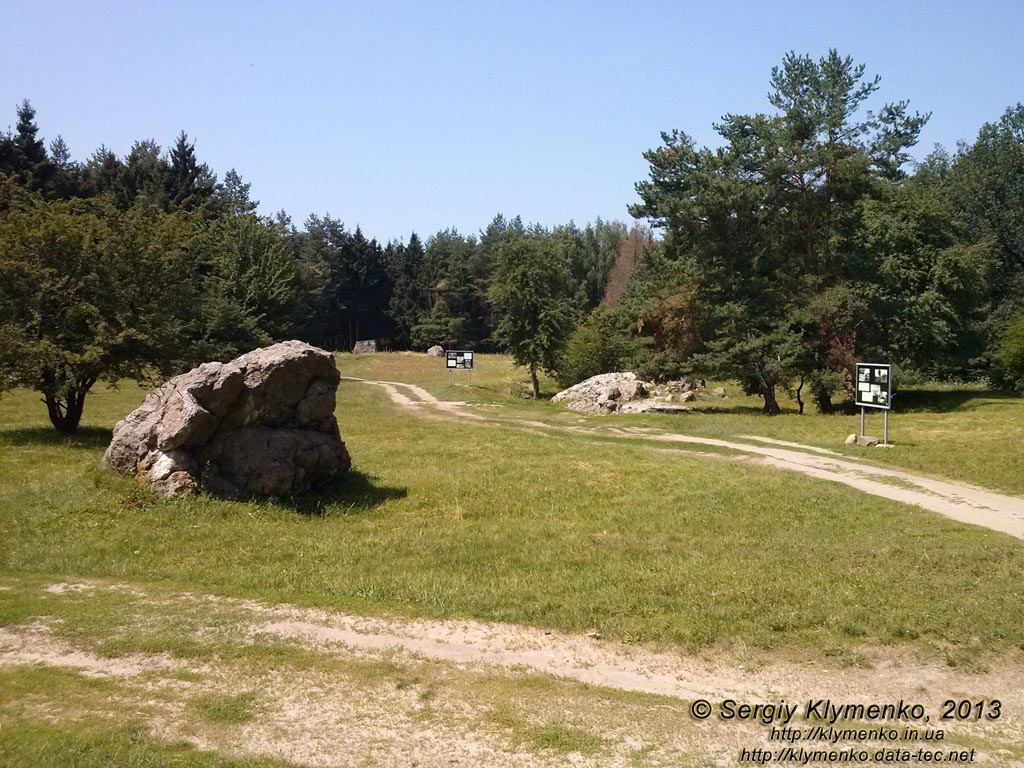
(739, 410)
(343, 495)
(85, 437)
(945, 401)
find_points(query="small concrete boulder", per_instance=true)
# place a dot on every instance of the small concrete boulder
(262, 425)
(366, 346)
(685, 385)
(682, 397)
(865, 441)
(436, 351)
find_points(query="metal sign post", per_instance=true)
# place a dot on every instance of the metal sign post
(873, 389)
(459, 359)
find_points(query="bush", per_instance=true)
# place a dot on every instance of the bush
(595, 346)
(1010, 351)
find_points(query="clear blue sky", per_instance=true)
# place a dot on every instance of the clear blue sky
(421, 116)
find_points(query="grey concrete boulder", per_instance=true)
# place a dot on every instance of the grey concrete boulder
(262, 424)
(436, 351)
(684, 386)
(865, 441)
(626, 393)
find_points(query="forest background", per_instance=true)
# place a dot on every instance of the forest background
(805, 241)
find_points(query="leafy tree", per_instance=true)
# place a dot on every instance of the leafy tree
(986, 182)
(596, 345)
(232, 196)
(142, 178)
(247, 287)
(86, 294)
(766, 226)
(532, 292)
(1010, 351)
(926, 276)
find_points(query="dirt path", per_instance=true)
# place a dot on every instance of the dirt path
(427, 714)
(588, 659)
(960, 501)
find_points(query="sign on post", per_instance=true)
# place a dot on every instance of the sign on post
(873, 389)
(874, 386)
(459, 359)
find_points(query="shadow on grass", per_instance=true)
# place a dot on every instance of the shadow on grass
(85, 437)
(945, 401)
(906, 400)
(738, 410)
(348, 493)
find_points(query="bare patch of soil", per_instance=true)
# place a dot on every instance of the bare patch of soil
(430, 707)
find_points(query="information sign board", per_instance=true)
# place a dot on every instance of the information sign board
(873, 386)
(460, 359)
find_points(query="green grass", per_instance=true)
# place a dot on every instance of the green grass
(959, 432)
(36, 745)
(564, 738)
(447, 518)
(226, 708)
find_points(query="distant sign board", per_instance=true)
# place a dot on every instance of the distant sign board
(874, 385)
(459, 359)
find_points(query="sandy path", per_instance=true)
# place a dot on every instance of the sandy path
(316, 719)
(400, 395)
(885, 672)
(960, 501)
(881, 672)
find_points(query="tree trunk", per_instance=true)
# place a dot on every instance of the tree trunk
(800, 402)
(771, 405)
(65, 415)
(533, 380)
(65, 404)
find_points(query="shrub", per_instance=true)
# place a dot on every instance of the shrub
(595, 346)
(1010, 351)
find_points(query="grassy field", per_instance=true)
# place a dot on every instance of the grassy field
(444, 518)
(455, 518)
(961, 432)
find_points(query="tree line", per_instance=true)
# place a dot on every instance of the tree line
(144, 265)
(805, 241)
